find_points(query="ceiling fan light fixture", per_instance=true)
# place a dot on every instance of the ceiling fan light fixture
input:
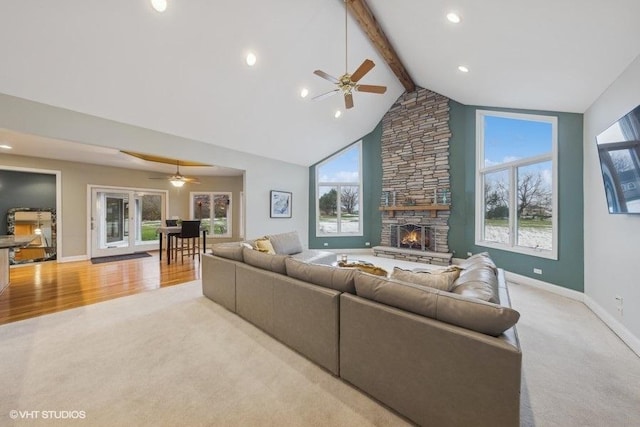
(159, 5)
(177, 182)
(453, 17)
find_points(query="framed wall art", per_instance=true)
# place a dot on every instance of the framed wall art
(280, 204)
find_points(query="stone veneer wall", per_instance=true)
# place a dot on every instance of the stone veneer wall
(415, 159)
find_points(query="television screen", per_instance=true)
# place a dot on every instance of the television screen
(619, 152)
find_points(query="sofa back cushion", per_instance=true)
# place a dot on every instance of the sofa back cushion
(478, 260)
(438, 279)
(229, 250)
(340, 279)
(478, 281)
(469, 313)
(286, 243)
(265, 261)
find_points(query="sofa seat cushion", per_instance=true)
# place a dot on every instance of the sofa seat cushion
(286, 243)
(438, 279)
(326, 276)
(264, 260)
(470, 313)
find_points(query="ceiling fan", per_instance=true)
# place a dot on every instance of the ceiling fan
(347, 83)
(178, 180)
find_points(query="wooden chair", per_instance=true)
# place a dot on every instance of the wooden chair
(189, 239)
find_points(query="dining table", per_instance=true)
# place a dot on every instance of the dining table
(169, 232)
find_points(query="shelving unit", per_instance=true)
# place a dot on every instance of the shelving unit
(432, 208)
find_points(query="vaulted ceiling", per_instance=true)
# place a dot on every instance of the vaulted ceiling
(183, 72)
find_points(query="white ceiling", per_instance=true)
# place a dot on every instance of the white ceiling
(183, 72)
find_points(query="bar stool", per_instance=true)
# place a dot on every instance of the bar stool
(189, 235)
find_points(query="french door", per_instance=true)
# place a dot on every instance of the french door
(125, 220)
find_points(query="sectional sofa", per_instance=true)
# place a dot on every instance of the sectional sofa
(438, 357)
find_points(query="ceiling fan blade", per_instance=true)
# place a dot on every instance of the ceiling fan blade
(326, 76)
(325, 95)
(371, 88)
(363, 69)
(348, 100)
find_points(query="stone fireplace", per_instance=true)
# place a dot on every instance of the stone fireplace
(415, 175)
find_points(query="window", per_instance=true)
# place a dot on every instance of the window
(338, 190)
(214, 210)
(516, 183)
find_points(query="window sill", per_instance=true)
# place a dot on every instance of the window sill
(552, 254)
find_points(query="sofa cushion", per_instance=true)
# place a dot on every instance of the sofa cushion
(479, 282)
(322, 275)
(477, 260)
(264, 245)
(265, 261)
(438, 279)
(315, 256)
(286, 243)
(469, 313)
(228, 250)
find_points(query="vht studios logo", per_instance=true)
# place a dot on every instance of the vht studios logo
(47, 415)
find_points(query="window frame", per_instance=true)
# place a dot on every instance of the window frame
(512, 171)
(212, 195)
(339, 185)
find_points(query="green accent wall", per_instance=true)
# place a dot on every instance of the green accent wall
(568, 270)
(371, 195)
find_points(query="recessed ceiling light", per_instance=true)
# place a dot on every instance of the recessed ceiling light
(304, 92)
(159, 5)
(5, 147)
(463, 68)
(453, 17)
(251, 59)
(337, 114)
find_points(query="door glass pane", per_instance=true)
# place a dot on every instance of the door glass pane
(496, 205)
(202, 210)
(221, 203)
(150, 215)
(349, 209)
(115, 218)
(328, 209)
(535, 207)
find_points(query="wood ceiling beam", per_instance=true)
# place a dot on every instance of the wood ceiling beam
(363, 15)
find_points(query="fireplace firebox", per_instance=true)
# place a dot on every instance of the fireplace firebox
(412, 236)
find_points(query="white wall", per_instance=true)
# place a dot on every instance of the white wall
(261, 174)
(611, 242)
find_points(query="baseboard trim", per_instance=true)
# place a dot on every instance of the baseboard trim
(618, 328)
(559, 290)
(611, 322)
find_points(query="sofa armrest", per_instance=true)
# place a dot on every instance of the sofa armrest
(219, 280)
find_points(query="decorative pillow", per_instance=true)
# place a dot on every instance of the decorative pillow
(473, 314)
(286, 243)
(265, 261)
(437, 279)
(264, 245)
(228, 250)
(367, 268)
(340, 279)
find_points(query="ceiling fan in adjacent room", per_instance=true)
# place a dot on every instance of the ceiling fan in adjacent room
(347, 83)
(177, 179)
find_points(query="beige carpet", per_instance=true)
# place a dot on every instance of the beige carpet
(172, 357)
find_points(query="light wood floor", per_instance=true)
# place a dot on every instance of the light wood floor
(49, 287)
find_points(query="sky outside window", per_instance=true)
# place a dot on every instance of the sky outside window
(507, 139)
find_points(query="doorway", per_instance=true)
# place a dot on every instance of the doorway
(125, 220)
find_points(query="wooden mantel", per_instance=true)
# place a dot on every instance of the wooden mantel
(432, 208)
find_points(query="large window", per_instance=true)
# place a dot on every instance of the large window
(338, 190)
(214, 212)
(516, 184)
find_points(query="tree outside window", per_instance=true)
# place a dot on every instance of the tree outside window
(214, 212)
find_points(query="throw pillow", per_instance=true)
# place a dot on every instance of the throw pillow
(367, 268)
(264, 245)
(438, 279)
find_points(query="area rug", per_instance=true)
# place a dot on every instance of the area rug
(135, 255)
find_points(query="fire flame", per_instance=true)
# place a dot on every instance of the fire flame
(410, 238)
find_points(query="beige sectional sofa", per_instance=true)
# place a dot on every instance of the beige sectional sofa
(437, 357)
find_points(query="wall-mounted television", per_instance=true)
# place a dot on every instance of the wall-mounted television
(619, 153)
